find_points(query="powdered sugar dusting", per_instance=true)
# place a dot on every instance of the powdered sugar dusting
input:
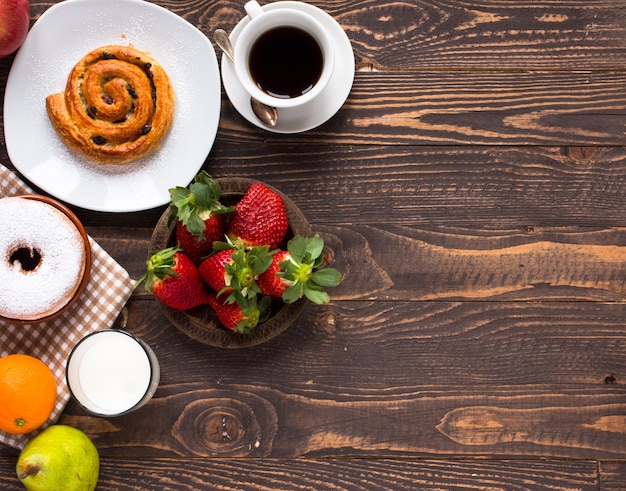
(31, 224)
(41, 68)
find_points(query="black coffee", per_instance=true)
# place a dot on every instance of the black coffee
(285, 62)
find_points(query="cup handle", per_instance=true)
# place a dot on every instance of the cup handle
(253, 9)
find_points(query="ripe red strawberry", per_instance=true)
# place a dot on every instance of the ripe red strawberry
(235, 270)
(212, 270)
(241, 316)
(197, 249)
(259, 218)
(271, 284)
(201, 218)
(174, 280)
(294, 273)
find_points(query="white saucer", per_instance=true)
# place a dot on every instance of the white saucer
(63, 35)
(316, 112)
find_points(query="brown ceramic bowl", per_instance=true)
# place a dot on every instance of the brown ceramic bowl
(86, 270)
(201, 323)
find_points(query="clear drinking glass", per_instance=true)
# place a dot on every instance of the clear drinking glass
(110, 373)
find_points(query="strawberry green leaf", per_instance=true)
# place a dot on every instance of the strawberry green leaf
(297, 248)
(306, 255)
(194, 204)
(314, 247)
(316, 294)
(239, 299)
(264, 308)
(253, 312)
(326, 277)
(222, 246)
(204, 194)
(260, 258)
(293, 293)
(245, 268)
(159, 266)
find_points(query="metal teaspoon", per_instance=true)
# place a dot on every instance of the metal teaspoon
(266, 114)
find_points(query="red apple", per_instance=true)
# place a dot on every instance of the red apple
(14, 22)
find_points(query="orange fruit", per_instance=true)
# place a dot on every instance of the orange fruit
(28, 391)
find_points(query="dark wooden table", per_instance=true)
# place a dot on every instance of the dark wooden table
(473, 191)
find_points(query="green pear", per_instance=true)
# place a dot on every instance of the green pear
(60, 457)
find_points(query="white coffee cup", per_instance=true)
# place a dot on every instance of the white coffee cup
(110, 373)
(277, 22)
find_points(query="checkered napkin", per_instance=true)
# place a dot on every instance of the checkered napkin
(108, 290)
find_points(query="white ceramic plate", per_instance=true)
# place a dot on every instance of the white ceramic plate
(316, 112)
(58, 40)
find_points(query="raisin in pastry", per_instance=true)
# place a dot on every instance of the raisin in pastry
(117, 106)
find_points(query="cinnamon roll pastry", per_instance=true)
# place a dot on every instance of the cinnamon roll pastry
(117, 106)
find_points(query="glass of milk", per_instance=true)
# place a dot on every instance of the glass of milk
(110, 372)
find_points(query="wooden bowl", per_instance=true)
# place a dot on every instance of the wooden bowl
(201, 323)
(86, 270)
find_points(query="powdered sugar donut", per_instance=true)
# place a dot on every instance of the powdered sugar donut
(44, 258)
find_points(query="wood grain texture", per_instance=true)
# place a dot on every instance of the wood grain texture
(480, 187)
(455, 35)
(469, 108)
(454, 263)
(612, 476)
(443, 108)
(335, 475)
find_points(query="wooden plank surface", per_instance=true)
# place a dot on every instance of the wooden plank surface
(468, 108)
(458, 263)
(390, 35)
(479, 187)
(471, 190)
(613, 476)
(336, 475)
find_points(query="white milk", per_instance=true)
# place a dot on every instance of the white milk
(110, 372)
